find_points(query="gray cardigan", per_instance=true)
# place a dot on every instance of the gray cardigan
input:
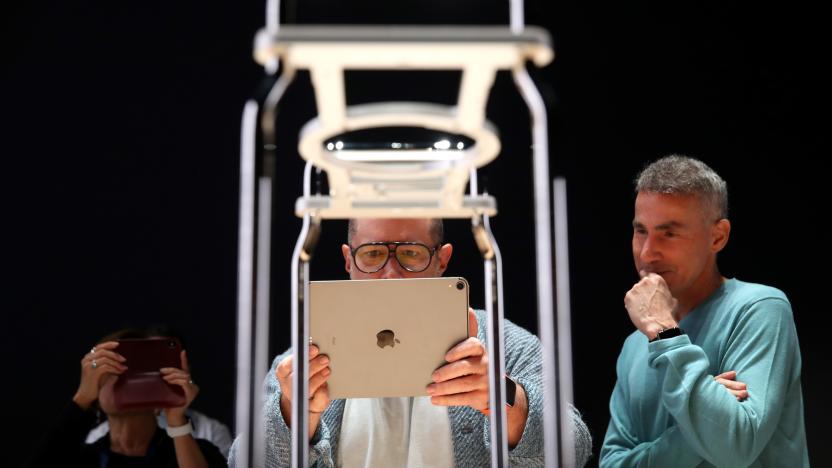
(468, 426)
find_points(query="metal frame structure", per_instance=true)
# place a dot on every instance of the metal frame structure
(391, 184)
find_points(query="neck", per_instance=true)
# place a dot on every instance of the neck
(130, 434)
(697, 294)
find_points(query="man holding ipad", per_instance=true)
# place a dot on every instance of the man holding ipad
(446, 428)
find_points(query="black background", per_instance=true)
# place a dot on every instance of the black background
(120, 154)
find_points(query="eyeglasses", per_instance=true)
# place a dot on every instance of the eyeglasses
(412, 256)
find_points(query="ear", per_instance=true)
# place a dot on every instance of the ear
(444, 257)
(345, 251)
(719, 234)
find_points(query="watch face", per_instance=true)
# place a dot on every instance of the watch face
(511, 391)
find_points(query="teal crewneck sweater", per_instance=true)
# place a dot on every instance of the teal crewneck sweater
(667, 409)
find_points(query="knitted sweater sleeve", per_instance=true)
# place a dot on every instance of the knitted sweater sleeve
(524, 365)
(278, 442)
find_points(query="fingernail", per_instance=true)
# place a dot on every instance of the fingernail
(325, 360)
(326, 372)
(435, 377)
(430, 389)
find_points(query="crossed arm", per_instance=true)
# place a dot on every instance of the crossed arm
(710, 424)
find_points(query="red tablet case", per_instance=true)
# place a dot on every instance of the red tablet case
(141, 386)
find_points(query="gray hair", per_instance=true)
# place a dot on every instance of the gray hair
(437, 231)
(682, 175)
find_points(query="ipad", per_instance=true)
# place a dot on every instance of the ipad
(141, 386)
(384, 338)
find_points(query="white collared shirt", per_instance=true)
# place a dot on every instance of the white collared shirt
(405, 432)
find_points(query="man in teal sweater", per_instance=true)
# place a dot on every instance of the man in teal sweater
(712, 375)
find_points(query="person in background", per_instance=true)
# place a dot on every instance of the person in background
(134, 438)
(204, 426)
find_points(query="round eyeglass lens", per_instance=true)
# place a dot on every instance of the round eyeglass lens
(413, 257)
(370, 258)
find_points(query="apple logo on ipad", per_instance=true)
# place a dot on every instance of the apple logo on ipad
(385, 338)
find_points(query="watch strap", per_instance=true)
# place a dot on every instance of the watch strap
(511, 391)
(180, 431)
(511, 394)
(668, 333)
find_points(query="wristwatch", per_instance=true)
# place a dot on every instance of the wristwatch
(668, 333)
(180, 431)
(511, 394)
(511, 391)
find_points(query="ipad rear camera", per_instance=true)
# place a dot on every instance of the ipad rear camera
(460, 285)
